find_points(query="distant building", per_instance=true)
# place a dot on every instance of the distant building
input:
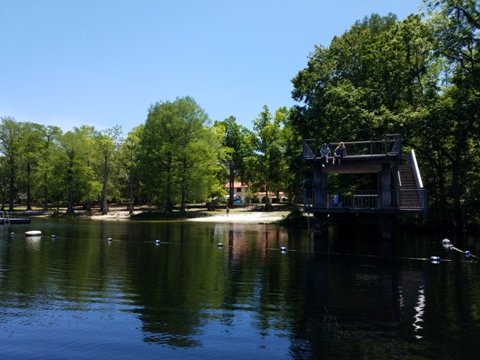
(239, 192)
(272, 196)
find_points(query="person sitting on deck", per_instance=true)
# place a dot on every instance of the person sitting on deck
(324, 152)
(339, 153)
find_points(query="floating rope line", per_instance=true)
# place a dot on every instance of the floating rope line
(449, 246)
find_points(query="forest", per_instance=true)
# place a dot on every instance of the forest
(419, 77)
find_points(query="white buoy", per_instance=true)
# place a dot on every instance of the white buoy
(435, 259)
(33, 233)
(467, 254)
(12, 233)
(157, 242)
(54, 236)
(110, 239)
(446, 243)
(220, 245)
(283, 249)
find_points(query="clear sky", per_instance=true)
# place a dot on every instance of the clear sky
(104, 62)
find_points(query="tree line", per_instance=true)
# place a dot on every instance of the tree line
(419, 77)
(174, 158)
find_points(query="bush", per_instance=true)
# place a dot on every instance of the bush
(295, 219)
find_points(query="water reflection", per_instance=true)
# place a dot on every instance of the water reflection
(356, 296)
(33, 242)
(419, 309)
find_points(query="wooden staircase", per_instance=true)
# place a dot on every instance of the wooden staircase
(409, 195)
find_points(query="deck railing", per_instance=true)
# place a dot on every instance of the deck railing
(362, 199)
(391, 145)
(5, 218)
(412, 161)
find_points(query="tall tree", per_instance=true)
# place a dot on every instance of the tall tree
(47, 149)
(73, 165)
(360, 86)
(129, 153)
(236, 150)
(107, 143)
(269, 149)
(450, 132)
(11, 135)
(174, 148)
(30, 150)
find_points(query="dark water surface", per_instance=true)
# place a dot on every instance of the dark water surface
(79, 296)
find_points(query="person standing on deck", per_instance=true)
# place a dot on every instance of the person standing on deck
(325, 153)
(307, 186)
(339, 153)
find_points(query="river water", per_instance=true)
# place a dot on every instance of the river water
(77, 295)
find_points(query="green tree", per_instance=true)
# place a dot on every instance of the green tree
(4, 180)
(107, 144)
(268, 161)
(176, 150)
(129, 154)
(30, 151)
(73, 165)
(361, 86)
(11, 134)
(449, 134)
(236, 150)
(45, 165)
(295, 169)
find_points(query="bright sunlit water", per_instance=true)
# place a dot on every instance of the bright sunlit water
(79, 296)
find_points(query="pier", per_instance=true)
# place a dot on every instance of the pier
(398, 183)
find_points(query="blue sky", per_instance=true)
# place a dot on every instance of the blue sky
(104, 62)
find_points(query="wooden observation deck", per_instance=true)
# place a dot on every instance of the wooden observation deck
(399, 186)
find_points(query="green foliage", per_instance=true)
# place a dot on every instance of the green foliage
(236, 149)
(106, 146)
(179, 154)
(267, 166)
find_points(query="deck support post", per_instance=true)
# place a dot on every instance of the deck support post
(386, 186)
(319, 225)
(384, 222)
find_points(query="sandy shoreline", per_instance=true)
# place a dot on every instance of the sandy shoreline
(244, 218)
(258, 217)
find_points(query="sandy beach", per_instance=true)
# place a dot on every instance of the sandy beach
(257, 217)
(244, 218)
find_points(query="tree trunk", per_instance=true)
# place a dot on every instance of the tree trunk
(45, 193)
(29, 200)
(104, 191)
(70, 210)
(267, 199)
(184, 180)
(168, 200)
(130, 195)
(12, 184)
(231, 181)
